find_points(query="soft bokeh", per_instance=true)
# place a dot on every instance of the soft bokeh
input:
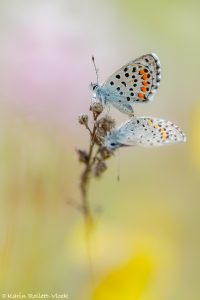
(146, 243)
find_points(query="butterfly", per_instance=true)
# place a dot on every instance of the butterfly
(136, 82)
(144, 131)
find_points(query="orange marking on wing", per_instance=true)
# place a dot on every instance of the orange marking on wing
(143, 89)
(142, 72)
(145, 77)
(141, 96)
(145, 83)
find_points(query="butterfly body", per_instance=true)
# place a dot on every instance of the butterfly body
(135, 82)
(103, 94)
(144, 131)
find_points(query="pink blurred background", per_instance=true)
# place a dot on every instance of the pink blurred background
(150, 219)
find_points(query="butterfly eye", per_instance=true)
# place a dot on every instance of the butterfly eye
(112, 144)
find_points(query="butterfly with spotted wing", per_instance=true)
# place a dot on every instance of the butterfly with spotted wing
(144, 131)
(136, 82)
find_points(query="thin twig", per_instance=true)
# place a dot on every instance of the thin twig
(94, 164)
(89, 222)
(88, 128)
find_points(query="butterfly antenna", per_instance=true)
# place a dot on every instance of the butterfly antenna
(96, 70)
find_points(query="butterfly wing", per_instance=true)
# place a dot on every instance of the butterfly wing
(135, 82)
(145, 131)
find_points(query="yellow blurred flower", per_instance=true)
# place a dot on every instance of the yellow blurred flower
(129, 281)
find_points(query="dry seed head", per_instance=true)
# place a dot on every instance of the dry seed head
(82, 155)
(96, 108)
(83, 119)
(100, 134)
(106, 123)
(105, 153)
(99, 168)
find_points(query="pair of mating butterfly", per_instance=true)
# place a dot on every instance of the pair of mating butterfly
(136, 82)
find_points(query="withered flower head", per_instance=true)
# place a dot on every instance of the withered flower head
(83, 119)
(82, 155)
(104, 125)
(96, 107)
(99, 168)
(105, 153)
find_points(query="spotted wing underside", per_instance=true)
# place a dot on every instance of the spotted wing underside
(137, 81)
(147, 131)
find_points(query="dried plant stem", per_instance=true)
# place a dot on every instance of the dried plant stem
(86, 210)
(85, 177)
(94, 165)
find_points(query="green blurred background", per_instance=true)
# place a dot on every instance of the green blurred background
(146, 243)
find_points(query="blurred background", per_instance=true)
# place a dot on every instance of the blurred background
(146, 243)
